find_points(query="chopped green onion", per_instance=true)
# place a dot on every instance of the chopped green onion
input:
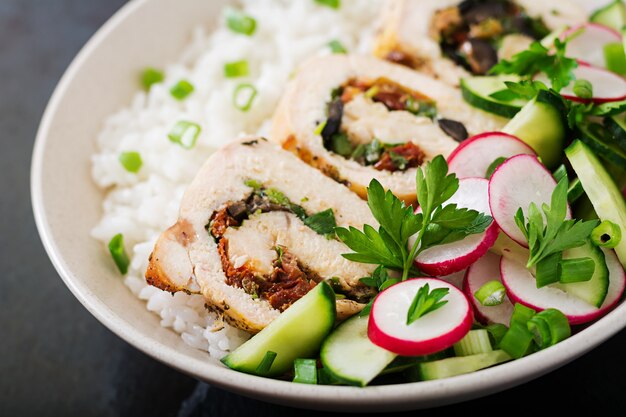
(560, 173)
(336, 47)
(558, 323)
(118, 252)
(277, 197)
(540, 330)
(398, 160)
(325, 377)
(305, 371)
(151, 76)
(372, 91)
(240, 22)
(547, 271)
(496, 332)
(474, 342)
(266, 363)
(576, 270)
(575, 191)
(340, 144)
(181, 89)
(607, 235)
(521, 314)
(493, 166)
(583, 89)
(491, 293)
(549, 327)
(243, 96)
(236, 69)
(334, 4)
(615, 58)
(358, 152)
(185, 133)
(517, 341)
(131, 161)
(254, 184)
(319, 128)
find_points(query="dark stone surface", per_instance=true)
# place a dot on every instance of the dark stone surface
(57, 360)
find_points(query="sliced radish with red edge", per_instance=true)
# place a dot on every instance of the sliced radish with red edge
(433, 332)
(455, 279)
(607, 85)
(588, 46)
(521, 288)
(456, 256)
(516, 183)
(474, 156)
(482, 271)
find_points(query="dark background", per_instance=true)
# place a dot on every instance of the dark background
(56, 359)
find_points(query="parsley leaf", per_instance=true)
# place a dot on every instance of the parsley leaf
(397, 219)
(323, 222)
(403, 234)
(549, 233)
(525, 88)
(538, 58)
(425, 302)
(371, 246)
(380, 279)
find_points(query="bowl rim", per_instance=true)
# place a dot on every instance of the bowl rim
(405, 396)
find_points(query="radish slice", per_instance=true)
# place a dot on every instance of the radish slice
(521, 288)
(516, 183)
(607, 85)
(455, 279)
(484, 270)
(588, 46)
(473, 156)
(453, 257)
(507, 247)
(430, 333)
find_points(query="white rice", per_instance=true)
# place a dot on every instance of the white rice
(142, 205)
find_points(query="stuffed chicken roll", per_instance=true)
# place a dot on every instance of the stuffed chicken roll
(256, 232)
(357, 118)
(451, 39)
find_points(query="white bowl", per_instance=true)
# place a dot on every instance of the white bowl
(67, 205)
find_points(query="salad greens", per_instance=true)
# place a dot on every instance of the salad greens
(391, 245)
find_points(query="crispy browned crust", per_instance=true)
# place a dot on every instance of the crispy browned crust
(155, 275)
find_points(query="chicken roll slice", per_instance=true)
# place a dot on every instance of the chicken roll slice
(451, 39)
(357, 118)
(255, 233)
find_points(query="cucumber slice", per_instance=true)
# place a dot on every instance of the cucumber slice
(350, 356)
(616, 125)
(593, 291)
(607, 199)
(477, 92)
(612, 15)
(600, 140)
(541, 124)
(297, 333)
(461, 364)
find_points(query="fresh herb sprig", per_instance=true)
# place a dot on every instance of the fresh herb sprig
(547, 239)
(537, 58)
(555, 234)
(403, 233)
(425, 302)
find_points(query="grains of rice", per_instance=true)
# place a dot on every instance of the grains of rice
(141, 205)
